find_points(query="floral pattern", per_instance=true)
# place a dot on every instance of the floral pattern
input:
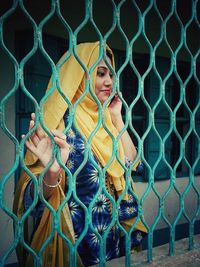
(87, 189)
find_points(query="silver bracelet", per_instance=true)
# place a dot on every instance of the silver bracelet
(54, 185)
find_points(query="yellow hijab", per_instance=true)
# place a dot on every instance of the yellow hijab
(72, 81)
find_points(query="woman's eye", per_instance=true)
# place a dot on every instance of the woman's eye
(111, 75)
(100, 73)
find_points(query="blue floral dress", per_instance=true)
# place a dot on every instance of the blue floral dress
(87, 187)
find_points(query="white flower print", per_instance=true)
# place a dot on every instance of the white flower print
(76, 236)
(93, 176)
(130, 198)
(109, 254)
(100, 204)
(70, 164)
(73, 206)
(94, 240)
(81, 145)
(101, 228)
(72, 149)
(139, 237)
(131, 210)
(71, 134)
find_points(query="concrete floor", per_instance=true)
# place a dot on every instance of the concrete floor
(188, 259)
(182, 258)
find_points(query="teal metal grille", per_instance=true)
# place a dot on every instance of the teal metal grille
(182, 112)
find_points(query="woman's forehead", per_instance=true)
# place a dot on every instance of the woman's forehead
(102, 63)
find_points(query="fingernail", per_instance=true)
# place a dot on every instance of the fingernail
(64, 137)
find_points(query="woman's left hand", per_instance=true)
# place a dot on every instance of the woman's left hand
(115, 108)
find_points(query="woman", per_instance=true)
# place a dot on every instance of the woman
(88, 192)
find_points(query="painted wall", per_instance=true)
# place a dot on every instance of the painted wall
(172, 204)
(7, 156)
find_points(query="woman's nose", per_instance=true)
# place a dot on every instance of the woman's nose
(108, 80)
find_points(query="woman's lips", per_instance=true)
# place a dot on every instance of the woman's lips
(107, 91)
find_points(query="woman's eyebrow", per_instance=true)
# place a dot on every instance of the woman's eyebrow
(104, 67)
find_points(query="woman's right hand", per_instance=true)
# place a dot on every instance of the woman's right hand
(40, 144)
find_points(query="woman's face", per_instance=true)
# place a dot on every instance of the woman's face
(103, 85)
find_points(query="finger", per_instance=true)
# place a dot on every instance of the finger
(39, 132)
(61, 143)
(118, 94)
(60, 139)
(118, 97)
(58, 134)
(30, 145)
(31, 124)
(33, 116)
(33, 137)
